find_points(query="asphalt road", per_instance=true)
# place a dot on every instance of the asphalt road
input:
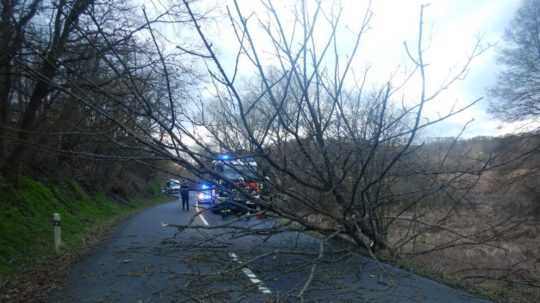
(144, 261)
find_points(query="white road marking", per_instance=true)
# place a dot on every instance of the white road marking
(233, 256)
(201, 216)
(251, 275)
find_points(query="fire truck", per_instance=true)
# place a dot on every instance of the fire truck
(237, 189)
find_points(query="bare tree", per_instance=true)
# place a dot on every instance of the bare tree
(516, 92)
(332, 149)
(14, 19)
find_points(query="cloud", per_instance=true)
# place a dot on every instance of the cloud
(451, 29)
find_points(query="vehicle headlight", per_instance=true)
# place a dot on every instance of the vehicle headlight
(203, 196)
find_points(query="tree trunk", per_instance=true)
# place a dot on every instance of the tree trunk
(47, 72)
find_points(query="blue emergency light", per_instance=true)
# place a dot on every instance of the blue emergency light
(224, 157)
(205, 186)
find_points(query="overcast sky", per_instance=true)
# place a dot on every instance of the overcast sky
(452, 28)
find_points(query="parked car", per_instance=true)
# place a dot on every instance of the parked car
(172, 187)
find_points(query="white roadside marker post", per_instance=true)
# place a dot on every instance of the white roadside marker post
(57, 232)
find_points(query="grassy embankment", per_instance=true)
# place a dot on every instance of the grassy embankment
(26, 237)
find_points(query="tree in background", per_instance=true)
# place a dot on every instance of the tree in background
(517, 92)
(74, 76)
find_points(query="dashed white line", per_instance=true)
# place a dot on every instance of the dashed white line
(233, 256)
(251, 276)
(201, 216)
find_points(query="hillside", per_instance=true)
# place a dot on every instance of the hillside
(26, 245)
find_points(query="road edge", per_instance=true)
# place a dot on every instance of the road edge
(36, 284)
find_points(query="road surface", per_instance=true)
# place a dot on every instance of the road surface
(143, 262)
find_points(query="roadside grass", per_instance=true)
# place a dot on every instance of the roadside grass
(26, 231)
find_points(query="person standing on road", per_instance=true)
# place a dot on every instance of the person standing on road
(184, 193)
